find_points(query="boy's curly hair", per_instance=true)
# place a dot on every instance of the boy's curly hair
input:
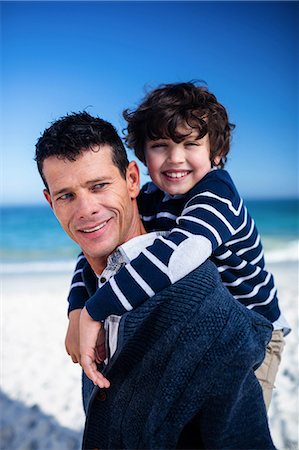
(170, 106)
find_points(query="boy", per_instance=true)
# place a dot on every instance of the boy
(182, 133)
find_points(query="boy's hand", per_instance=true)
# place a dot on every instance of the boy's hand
(72, 335)
(89, 331)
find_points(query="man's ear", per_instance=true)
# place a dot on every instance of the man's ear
(48, 197)
(133, 179)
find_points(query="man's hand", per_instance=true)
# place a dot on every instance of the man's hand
(100, 350)
(89, 331)
(72, 335)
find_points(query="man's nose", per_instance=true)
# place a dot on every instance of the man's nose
(176, 155)
(87, 206)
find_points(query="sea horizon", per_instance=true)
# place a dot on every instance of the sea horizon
(32, 240)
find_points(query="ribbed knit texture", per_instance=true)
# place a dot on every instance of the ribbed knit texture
(192, 348)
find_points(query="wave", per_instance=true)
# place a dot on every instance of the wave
(35, 267)
(289, 252)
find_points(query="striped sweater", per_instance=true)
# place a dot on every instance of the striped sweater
(210, 221)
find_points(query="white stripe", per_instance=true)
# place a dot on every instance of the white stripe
(244, 250)
(213, 211)
(240, 280)
(256, 289)
(169, 242)
(184, 232)
(224, 255)
(258, 258)
(159, 215)
(78, 284)
(135, 275)
(266, 302)
(122, 299)
(205, 225)
(167, 214)
(79, 258)
(219, 215)
(239, 266)
(156, 261)
(147, 218)
(235, 211)
(244, 238)
(77, 271)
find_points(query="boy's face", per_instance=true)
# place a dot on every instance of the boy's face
(176, 167)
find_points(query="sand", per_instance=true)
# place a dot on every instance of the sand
(40, 397)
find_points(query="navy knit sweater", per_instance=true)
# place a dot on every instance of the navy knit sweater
(191, 350)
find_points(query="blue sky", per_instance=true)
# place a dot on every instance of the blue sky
(59, 57)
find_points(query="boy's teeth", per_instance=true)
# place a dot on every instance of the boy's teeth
(176, 174)
(90, 230)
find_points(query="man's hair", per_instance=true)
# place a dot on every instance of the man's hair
(71, 135)
(170, 106)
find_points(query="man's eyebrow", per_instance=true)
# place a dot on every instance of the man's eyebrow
(60, 191)
(65, 190)
(99, 180)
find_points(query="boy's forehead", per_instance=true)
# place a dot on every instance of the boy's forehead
(182, 132)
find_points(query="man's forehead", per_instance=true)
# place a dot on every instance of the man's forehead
(92, 153)
(91, 164)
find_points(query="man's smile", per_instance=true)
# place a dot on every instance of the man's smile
(93, 230)
(96, 228)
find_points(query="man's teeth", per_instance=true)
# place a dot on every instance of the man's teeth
(176, 174)
(91, 230)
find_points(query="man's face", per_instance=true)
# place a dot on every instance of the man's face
(93, 202)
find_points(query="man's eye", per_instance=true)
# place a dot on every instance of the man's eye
(65, 197)
(99, 186)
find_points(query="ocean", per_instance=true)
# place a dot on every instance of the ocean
(33, 241)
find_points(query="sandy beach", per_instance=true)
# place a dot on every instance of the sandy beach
(40, 398)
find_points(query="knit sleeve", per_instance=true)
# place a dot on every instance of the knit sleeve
(78, 294)
(209, 218)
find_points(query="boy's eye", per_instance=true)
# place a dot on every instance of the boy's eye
(159, 145)
(191, 144)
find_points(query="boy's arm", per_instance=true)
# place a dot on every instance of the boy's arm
(77, 298)
(78, 294)
(207, 221)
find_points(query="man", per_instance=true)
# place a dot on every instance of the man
(178, 377)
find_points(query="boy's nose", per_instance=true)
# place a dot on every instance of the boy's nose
(176, 155)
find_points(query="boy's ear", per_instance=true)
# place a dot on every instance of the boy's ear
(133, 179)
(217, 160)
(48, 197)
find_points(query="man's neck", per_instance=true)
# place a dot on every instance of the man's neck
(99, 264)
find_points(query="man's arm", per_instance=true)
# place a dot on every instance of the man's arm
(76, 299)
(89, 332)
(72, 336)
